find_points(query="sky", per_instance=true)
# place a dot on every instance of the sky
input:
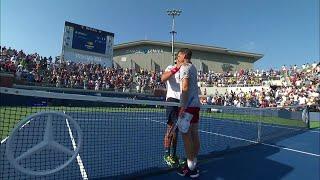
(286, 32)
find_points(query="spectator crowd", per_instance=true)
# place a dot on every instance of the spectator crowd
(37, 70)
(298, 85)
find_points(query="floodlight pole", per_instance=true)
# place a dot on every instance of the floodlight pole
(173, 13)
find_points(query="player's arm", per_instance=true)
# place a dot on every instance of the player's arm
(167, 74)
(184, 88)
(170, 72)
(184, 94)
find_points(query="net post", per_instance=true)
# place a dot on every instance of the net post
(259, 126)
(305, 115)
(308, 116)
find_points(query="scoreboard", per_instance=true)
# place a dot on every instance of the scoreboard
(86, 44)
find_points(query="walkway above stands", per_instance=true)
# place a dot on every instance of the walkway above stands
(105, 93)
(222, 90)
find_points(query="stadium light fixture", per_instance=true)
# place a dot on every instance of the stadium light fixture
(173, 13)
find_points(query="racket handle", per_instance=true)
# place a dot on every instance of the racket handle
(174, 127)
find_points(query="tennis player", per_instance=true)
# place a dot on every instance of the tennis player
(172, 79)
(189, 107)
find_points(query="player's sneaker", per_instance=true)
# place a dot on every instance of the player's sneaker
(182, 162)
(168, 160)
(174, 161)
(185, 171)
(178, 162)
(194, 173)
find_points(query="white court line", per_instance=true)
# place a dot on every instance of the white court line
(155, 121)
(4, 140)
(232, 121)
(244, 122)
(231, 137)
(265, 144)
(25, 124)
(262, 124)
(284, 127)
(208, 132)
(314, 131)
(289, 149)
(254, 122)
(80, 163)
(267, 125)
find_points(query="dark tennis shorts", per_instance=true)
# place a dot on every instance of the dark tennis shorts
(195, 112)
(172, 111)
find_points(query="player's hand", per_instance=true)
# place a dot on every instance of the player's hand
(178, 65)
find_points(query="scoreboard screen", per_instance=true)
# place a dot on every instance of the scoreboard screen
(89, 39)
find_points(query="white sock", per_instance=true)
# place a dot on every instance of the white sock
(190, 164)
(195, 161)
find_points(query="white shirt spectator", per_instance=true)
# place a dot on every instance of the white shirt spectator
(314, 65)
(97, 85)
(18, 75)
(284, 68)
(302, 100)
(295, 98)
(13, 59)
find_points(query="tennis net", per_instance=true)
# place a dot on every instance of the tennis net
(70, 136)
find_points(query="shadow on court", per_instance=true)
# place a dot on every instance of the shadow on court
(248, 163)
(259, 162)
